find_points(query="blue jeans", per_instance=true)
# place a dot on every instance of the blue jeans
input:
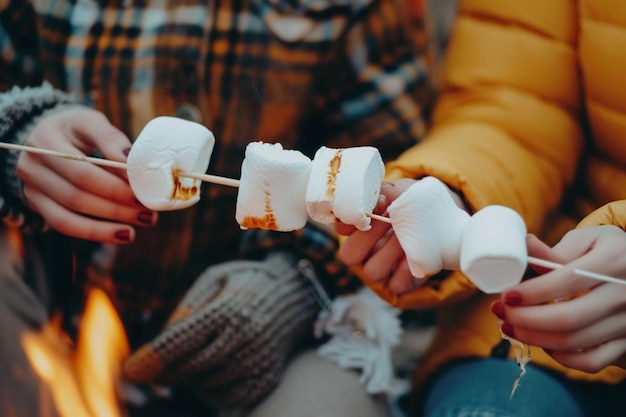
(482, 387)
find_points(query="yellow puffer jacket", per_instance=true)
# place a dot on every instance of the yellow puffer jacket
(533, 104)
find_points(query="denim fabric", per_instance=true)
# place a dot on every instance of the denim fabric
(482, 387)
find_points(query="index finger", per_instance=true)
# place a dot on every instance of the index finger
(95, 131)
(558, 284)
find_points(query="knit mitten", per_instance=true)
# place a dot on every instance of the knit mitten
(229, 338)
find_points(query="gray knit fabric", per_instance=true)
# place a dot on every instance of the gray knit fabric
(230, 336)
(20, 109)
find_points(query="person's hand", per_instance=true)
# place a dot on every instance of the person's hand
(229, 338)
(578, 321)
(76, 198)
(378, 249)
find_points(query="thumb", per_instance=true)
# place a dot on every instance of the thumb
(177, 342)
(540, 249)
(393, 189)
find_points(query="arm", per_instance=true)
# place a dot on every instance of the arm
(19, 108)
(75, 198)
(505, 129)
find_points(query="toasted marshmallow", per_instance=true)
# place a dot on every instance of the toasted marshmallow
(493, 249)
(165, 147)
(272, 188)
(344, 184)
(428, 225)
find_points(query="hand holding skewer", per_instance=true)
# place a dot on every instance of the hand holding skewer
(81, 200)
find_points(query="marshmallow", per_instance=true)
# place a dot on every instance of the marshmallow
(493, 249)
(344, 184)
(428, 225)
(272, 188)
(165, 147)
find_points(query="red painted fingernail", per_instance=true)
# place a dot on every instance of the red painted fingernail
(507, 329)
(497, 308)
(123, 235)
(381, 205)
(513, 298)
(146, 217)
(126, 151)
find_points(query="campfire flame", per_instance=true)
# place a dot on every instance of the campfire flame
(81, 380)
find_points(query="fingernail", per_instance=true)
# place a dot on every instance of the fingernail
(123, 235)
(497, 308)
(126, 151)
(381, 205)
(507, 329)
(146, 217)
(513, 298)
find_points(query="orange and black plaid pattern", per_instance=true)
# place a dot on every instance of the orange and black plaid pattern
(304, 73)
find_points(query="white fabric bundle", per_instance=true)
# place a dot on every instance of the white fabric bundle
(493, 249)
(344, 184)
(272, 188)
(165, 147)
(364, 330)
(428, 225)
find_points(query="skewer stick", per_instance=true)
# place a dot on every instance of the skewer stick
(230, 182)
(214, 179)
(553, 265)
(114, 164)
(542, 262)
(76, 157)
(379, 217)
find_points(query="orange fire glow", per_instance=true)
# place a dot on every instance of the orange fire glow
(82, 380)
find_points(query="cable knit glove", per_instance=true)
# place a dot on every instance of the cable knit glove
(229, 338)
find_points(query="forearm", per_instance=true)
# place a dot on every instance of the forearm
(20, 110)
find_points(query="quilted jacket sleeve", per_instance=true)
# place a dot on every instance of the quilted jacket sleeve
(506, 129)
(613, 213)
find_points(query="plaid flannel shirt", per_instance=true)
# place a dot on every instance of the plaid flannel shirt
(306, 73)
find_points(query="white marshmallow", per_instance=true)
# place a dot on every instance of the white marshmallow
(344, 184)
(272, 188)
(493, 249)
(428, 225)
(165, 147)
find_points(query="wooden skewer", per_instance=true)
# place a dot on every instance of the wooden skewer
(214, 179)
(587, 274)
(235, 183)
(379, 217)
(546, 264)
(114, 164)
